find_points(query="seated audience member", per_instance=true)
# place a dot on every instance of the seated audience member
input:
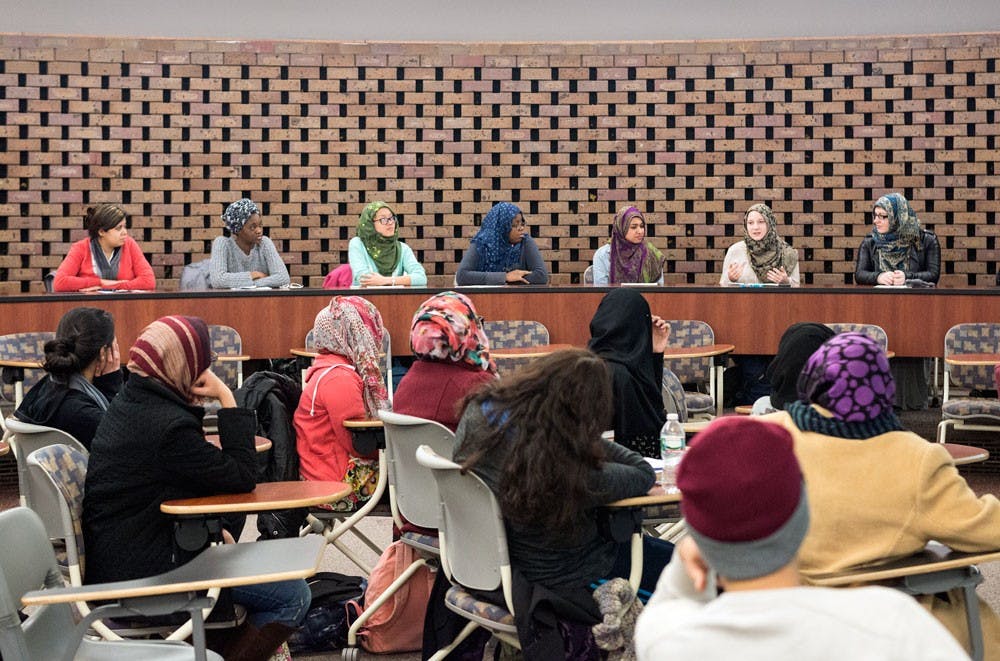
(854, 452)
(631, 341)
(243, 256)
(108, 259)
(550, 413)
(627, 256)
(343, 382)
(453, 360)
(376, 255)
(762, 256)
(84, 374)
(747, 513)
(898, 249)
(150, 447)
(502, 252)
(798, 342)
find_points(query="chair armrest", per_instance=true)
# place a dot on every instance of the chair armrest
(933, 558)
(222, 566)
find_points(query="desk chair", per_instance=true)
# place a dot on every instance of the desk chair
(50, 632)
(59, 473)
(876, 333)
(25, 438)
(332, 523)
(227, 345)
(935, 569)
(514, 334)
(588, 275)
(700, 372)
(22, 348)
(478, 560)
(412, 498)
(969, 413)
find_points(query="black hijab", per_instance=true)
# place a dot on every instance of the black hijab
(621, 334)
(799, 342)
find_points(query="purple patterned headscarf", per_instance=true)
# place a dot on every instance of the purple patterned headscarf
(849, 376)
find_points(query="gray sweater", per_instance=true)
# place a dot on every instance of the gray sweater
(531, 260)
(231, 266)
(559, 562)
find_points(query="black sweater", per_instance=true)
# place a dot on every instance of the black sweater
(150, 447)
(55, 405)
(923, 264)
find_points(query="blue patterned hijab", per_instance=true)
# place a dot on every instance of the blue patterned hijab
(496, 253)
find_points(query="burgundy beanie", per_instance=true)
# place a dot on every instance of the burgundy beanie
(743, 497)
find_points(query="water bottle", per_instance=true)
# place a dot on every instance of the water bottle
(671, 449)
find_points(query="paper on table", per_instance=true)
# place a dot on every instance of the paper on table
(657, 464)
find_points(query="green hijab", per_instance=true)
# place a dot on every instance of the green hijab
(384, 250)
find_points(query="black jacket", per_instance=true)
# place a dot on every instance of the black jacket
(150, 447)
(924, 264)
(54, 404)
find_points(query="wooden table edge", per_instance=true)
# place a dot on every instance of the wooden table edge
(706, 351)
(209, 504)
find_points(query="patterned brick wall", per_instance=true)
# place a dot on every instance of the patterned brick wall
(692, 132)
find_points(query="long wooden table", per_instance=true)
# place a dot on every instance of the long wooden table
(272, 322)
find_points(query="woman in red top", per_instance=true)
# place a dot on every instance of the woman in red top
(344, 382)
(108, 259)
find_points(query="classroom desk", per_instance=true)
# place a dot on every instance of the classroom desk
(260, 443)
(716, 352)
(272, 321)
(934, 557)
(973, 359)
(963, 455)
(267, 496)
(18, 367)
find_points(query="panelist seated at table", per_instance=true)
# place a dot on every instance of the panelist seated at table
(344, 382)
(746, 511)
(898, 249)
(628, 257)
(108, 259)
(453, 360)
(149, 448)
(631, 341)
(376, 255)
(762, 257)
(855, 453)
(502, 252)
(84, 373)
(243, 256)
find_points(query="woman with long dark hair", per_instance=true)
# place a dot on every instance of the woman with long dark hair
(535, 439)
(83, 374)
(107, 259)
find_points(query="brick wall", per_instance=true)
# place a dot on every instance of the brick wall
(691, 132)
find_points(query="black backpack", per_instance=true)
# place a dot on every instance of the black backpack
(326, 624)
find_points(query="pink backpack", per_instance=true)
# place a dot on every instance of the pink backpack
(398, 626)
(339, 278)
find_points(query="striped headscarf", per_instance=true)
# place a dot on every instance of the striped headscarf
(893, 247)
(632, 262)
(352, 327)
(492, 241)
(173, 350)
(446, 328)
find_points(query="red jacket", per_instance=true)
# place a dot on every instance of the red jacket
(432, 390)
(77, 270)
(329, 397)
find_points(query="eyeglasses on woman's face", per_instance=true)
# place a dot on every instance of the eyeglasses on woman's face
(386, 221)
(878, 214)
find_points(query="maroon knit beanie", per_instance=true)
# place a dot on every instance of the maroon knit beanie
(742, 496)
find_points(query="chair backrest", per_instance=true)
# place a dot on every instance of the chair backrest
(690, 333)
(588, 275)
(59, 474)
(412, 489)
(26, 347)
(674, 400)
(196, 276)
(876, 333)
(28, 563)
(515, 333)
(971, 338)
(24, 439)
(226, 341)
(470, 515)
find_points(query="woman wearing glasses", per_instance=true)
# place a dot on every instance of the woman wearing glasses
(898, 249)
(243, 256)
(502, 252)
(376, 255)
